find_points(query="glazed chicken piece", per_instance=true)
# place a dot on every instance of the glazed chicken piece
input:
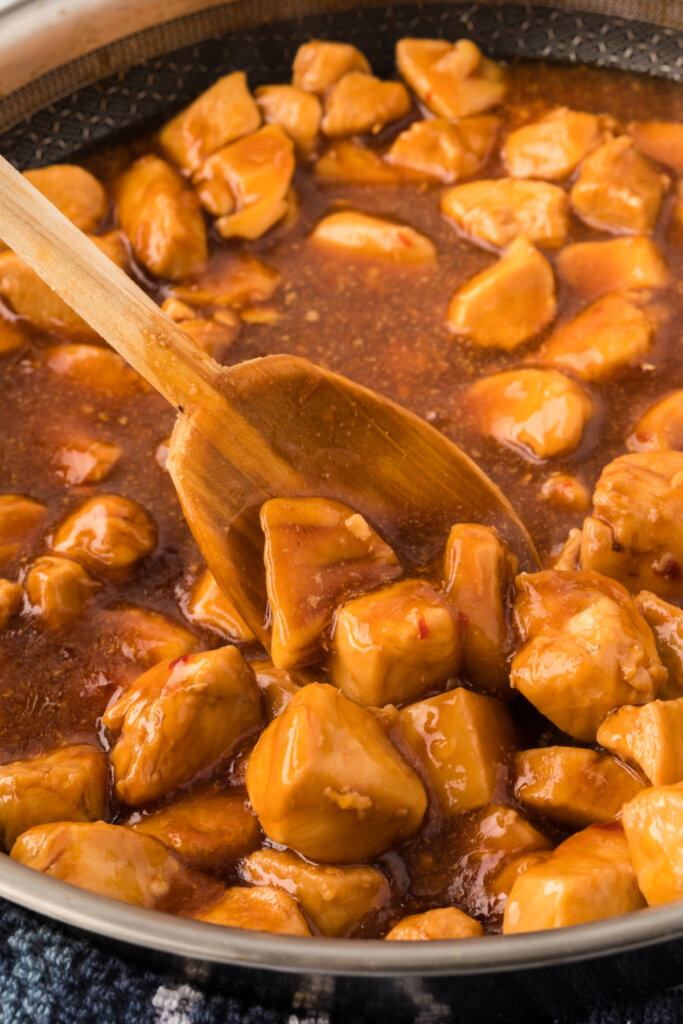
(359, 234)
(463, 741)
(223, 113)
(114, 861)
(391, 645)
(318, 64)
(650, 737)
(214, 334)
(566, 492)
(666, 622)
(232, 280)
(277, 685)
(660, 428)
(74, 191)
(568, 556)
(32, 299)
(21, 520)
(246, 184)
(335, 899)
(588, 877)
(98, 369)
(441, 151)
(660, 140)
(68, 784)
(611, 333)
(359, 102)
(12, 335)
(573, 786)
(58, 589)
(84, 460)
(653, 823)
(262, 909)
(161, 217)
(442, 923)
(585, 649)
(348, 161)
(209, 607)
(496, 212)
(453, 80)
(109, 534)
(479, 569)
(552, 147)
(144, 636)
(211, 831)
(618, 189)
(11, 598)
(593, 269)
(540, 412)
(316, 552)
(296, 111)
(177, 719)
(634, 534)
(325, 781)
(509, 302)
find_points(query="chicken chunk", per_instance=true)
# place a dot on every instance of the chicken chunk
(335, 899)
(209, 607)
(479, 569)
(634, 534)
(178, 718)
(325, 780)
(21, 520)
(58, 589)
(567, 492)
(84, 460)
(568, 555)
(316, 552)
(496, 212)
(666, 622)
(509, 302)
(593, 269)
(223, 113)
(12, 334)
(611, 333)
(143, 636)
(585, 649)
(463, 741)
(32, 299)
(588, 877)
(359, 103)
(352, 163)
(214, 335)
(112, 860)
(68, 784)
(210, 830)
(660, 140)
(650, 737)
(653, 823)
(441, 151)
(618, 189)
(359, 234)
(573, 786)
(442, 923)
(452, 79)
(552, 147)
(296, 111)
(246, 184)
(391, 645)
(74, 191)
(261, 909)
(538, 412)
(11, 597)
(161, 217)
(660, 428)
(230, 280)
(318, 64)
(277, 685)
(109, 534)
(95, 368)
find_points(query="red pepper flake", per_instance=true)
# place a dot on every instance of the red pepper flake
(182, 660)
(404, 239)
(422, 628)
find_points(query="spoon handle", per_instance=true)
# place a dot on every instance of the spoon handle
(102, 294)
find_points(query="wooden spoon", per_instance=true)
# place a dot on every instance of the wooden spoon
(277, 426)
